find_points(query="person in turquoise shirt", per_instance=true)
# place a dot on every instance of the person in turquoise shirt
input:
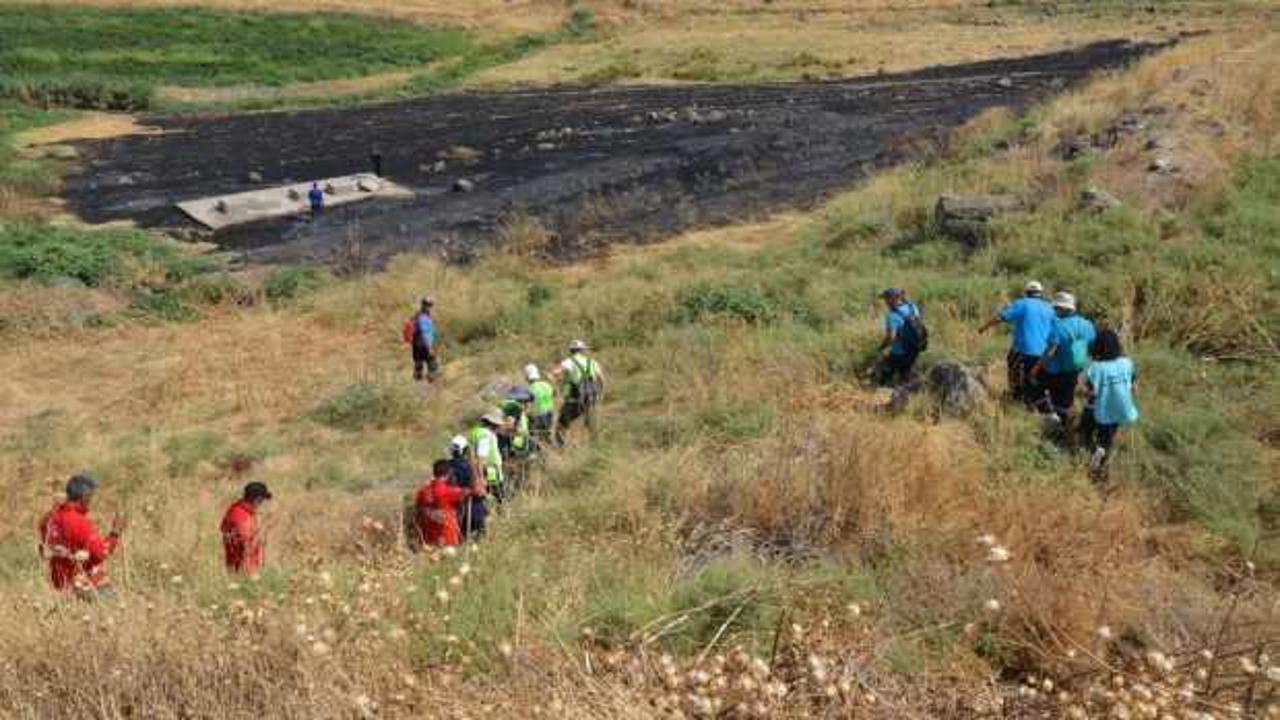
(1065, 357)
(1032, 319)
(1111, 382)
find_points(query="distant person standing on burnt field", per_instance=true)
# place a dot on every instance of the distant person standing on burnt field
(316, 197)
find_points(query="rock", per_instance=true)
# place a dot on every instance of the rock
(221, 206)
(1005, 82)
(716, 116)
(1098, 200)
(964, 218)
(255, 176)
(368, 184)
(66, 282)
(439, 166)
(1162, 165)
(956, 390)
(546, 146)
(463, 185)
(59, 152)
(294, 194)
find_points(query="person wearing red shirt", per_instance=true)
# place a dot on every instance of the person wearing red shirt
(438, 502)
(76, 552)
(242, 538)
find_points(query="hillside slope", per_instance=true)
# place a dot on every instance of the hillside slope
(749, 536)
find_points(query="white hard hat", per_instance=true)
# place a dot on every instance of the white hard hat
(577, 345)
(1033, 286)
(531, 372)
(458, 443)
(1064, 300)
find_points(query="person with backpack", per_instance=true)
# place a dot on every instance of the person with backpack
(1111, 383)
(583, 388)
(420, 334)
(905, 337)
(1032, 319)
(1065, 357)
(542, 414)
(69, 540)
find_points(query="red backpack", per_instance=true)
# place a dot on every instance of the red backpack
(409, 329)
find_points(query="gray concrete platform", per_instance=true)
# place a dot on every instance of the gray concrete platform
(221, 211)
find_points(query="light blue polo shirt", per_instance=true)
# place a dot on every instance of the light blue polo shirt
(894, 320)
(1032, 319)
(1112, 382)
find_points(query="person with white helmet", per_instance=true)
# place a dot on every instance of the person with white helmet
(583, 387)
(1032, 319)
(542, 414)
(1065, 357)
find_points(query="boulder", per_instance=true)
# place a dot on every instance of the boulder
(1098, 200)
(255, 176)
(463, 185)
(954, 389)
(964, 218)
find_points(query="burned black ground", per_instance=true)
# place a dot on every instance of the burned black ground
(594, 166)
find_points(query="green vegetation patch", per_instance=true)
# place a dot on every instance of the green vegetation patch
(367, 405)
(94, 258)
(112, 58)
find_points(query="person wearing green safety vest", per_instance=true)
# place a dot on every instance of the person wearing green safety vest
(583, 387)
(542, 415)
(486, 454)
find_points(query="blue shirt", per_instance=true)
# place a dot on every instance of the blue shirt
(316, 196)
(1032, 319)
(894, 321)
(1066, 331)
(1112, 383)
(426, 329)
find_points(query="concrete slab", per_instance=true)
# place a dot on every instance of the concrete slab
(222, 211)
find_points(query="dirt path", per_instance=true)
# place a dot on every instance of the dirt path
(593, 166)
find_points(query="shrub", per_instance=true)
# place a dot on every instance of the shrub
(367, 405)
(164, 305)
(83, 93)
(292, 282)
(748, 304)
(97, 258)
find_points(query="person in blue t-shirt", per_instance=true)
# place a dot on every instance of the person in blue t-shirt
(424, 342)
(1111, 383)
(1032, 319)
(1066, 355)
(900, 347)
(315, 196)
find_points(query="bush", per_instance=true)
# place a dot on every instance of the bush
(83, 93)
(367, 405)
(97, 258)
(748, 304)
(292, 282)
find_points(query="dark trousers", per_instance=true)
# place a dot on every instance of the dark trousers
(573, 409)
(1058, 394)
(1022, 383)
(422, 356)
(541, 427)
(472, 517)
(895, 370)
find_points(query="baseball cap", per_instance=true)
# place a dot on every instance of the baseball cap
(256, 491)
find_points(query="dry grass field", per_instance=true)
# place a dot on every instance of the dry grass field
(750, 536)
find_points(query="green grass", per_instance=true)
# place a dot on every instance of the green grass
(114, 58)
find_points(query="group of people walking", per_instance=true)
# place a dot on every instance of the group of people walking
(1053, 347)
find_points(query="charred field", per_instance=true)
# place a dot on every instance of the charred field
(591, 167)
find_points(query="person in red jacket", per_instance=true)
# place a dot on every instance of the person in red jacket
(438, 501)
(242, 538)
(76, 552)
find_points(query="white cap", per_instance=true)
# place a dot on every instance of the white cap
(1064, 300)
(577, 345)
(495, 417)
(458, 443)
(1033, 286)
(531, 372)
